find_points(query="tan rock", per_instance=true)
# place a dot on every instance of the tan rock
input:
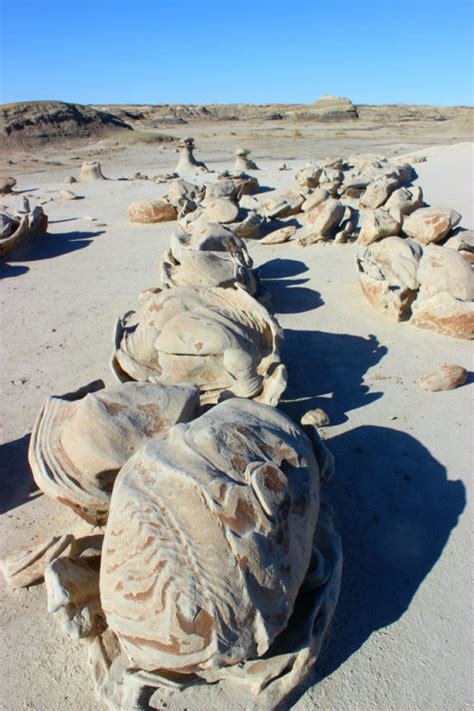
(90, 171)
(430, 224)
(283, 204)
(315, 198)
(68, 195)
(221, 339)
(445, 314)
(72, 588)
(248, 224)
(187, 163)
(447, 377)
(443, 269)
(80, 440)
(7, 184)
(308, 177)
(27, 565)
(32, 224)
(376, 224)
(221, 210)
(407, 200)
(150, 211)
(378, 192)
(388, 276)
(225, 484)
(279, 236)
(322, 220)
(317, 418)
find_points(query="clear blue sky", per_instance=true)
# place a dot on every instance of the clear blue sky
(252, 51)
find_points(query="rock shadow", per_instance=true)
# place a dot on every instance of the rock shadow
(331, 364)
(16, 481)
(395, 510)
(288, 296)
(50, 245)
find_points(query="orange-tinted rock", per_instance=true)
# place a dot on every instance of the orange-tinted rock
(149, 211)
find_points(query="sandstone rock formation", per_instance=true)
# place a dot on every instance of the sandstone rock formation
(242, 161)
(388, 276)
(90, 171)
(187, 163)
(15, 230)
(221, 339)
(152, 211)
(252, 483)
(7, 185)
(80, 440)
(430, 224)
(447, 377)
(190, 262)
(26, 566)
(446, 297)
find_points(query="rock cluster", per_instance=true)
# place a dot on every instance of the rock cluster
(195, 479)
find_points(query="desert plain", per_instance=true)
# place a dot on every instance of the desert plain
(401, 638)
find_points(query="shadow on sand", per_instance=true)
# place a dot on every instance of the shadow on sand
(45, 247)
(395, 510)
(16, 482)
(288, 296)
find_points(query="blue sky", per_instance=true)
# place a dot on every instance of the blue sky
(222, 51)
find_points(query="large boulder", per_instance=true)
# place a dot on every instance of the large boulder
(388, 276)
(322, 221)
(150, 211)
(430, 224)
(376, 224)
(378, 192)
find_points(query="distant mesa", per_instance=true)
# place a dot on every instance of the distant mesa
(37, 122)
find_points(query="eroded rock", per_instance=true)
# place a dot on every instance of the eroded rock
(447, 377)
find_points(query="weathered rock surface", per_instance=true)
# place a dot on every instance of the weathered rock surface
(151, 211)
(430, 224)
(38, 122)
(388, 276)
(242, 481)
(447, 377)
(376, 224)
(7, 185)
(27, 565)
(90, 171)
(322, 221)
(221, 339)
(280, 236)
(80, 440)
(221, 210)
(378, 192)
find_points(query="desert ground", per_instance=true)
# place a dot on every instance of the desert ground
(402, 492)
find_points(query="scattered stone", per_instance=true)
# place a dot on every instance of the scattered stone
(151, 211)
(317, 418)
(447, 377)
(69, 179)
(282, 166)
(279, 236)
(27, 565)
(430, 224)
(7, 185)
(68, 195)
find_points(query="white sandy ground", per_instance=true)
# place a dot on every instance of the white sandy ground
(402, 633)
